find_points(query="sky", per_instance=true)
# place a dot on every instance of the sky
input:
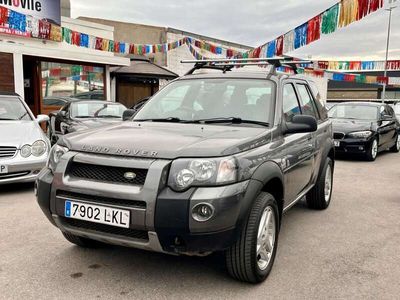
(255, 22)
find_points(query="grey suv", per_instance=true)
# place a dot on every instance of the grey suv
(209, 164)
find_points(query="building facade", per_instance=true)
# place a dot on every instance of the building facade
(41, 70)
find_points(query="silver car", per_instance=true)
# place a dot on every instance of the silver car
(24, 148)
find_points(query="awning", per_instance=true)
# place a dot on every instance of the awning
(143, 68)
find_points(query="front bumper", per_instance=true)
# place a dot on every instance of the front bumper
(22, 170)
(160, 218)
(353, 146)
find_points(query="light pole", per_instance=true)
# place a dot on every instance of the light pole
(390, 9)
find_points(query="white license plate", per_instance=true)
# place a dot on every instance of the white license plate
(336, 143)
(97, 214)
(3, 169)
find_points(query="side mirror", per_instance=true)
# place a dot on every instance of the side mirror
(63, 113)
(128, 114)
(42, 118)
(301, 124)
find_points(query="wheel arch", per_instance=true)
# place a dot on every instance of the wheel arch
(272, 181)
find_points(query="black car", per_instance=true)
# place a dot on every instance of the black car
(83, 114)
(365, 128)
(209, 164)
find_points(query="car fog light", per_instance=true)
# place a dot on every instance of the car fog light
(203, 212)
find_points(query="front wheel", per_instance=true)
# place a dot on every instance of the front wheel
(373, 151)
(319, 197)
(251, 258)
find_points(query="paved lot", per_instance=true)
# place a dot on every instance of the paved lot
(352, 250)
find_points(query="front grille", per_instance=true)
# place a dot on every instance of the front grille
(6, 152)
(106, 173)
(13, 175)
(102, 228)
(101, 200)
(338, 135)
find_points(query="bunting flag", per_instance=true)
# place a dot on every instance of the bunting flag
(392, 65)
(330, 19)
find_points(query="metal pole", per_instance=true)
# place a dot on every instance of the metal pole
(387, 51)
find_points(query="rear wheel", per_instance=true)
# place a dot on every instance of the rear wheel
(373, 151)
(319, 197)
(396, 146)
(251, 258)
(81, 241)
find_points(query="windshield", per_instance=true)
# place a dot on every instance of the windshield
(11, 108)
(358, 112)
(96, 110)
(203, 99)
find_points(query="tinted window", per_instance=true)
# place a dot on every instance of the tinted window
(53, 102)
(96, 110)
(307, 103)
(290, 103)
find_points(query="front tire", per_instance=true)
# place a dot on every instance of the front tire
(251, 258)
(373, 151)
(319, 197)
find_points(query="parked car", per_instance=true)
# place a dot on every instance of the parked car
(24, 147)
(211, 170)
(92, 95)
(83, 114)
(365, 129)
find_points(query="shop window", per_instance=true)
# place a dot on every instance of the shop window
(66, 81)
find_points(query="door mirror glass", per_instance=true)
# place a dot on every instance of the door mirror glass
(301, 124)
(63, 113)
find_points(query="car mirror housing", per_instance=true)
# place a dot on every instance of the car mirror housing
(63, 113)
(128, 114)
(386, 118)
(301, 124)
(42, 118)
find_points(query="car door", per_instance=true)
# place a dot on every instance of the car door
(309, 107)
(387, 127)
(299, 150)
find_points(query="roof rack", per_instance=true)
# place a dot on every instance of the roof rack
(228, 64)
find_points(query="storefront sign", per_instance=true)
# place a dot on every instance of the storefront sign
(31, 18)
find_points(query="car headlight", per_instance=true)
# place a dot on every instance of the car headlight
(55, 155)
(39, 148)
(185, 173)
(26, 151)
(360, 134)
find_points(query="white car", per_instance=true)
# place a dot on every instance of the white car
(24, 147)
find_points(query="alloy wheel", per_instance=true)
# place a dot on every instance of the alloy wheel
(374, 149)
(266, 238)
(328, 184)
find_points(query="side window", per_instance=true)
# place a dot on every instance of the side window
(290, 103)
(307, 103)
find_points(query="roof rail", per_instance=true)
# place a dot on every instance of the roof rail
(228, 64)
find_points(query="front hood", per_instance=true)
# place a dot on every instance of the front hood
(166, 140)
(19, 133)
(82, 124)
(347, 126)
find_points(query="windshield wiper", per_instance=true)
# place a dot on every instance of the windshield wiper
(109, 116)
(170, 119)
(231, 120)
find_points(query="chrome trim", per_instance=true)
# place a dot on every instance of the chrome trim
(298, 198)
(153, 244)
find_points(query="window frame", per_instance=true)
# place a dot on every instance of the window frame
(313, 104)
(293, 84)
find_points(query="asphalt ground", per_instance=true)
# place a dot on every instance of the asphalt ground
(350, 251)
